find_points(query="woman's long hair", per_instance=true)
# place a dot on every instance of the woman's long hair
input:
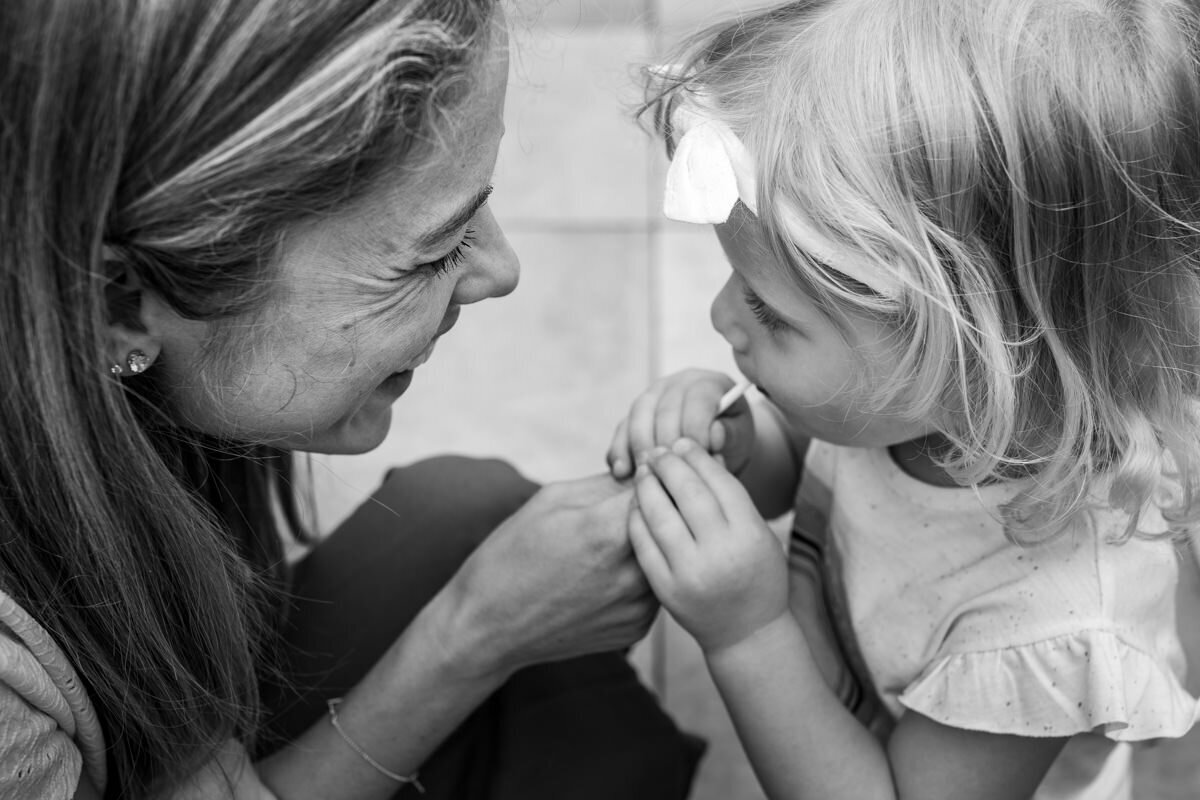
(1030, 171)
(167, 144)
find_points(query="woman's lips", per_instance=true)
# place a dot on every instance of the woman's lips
(448, 321)
(397, 383)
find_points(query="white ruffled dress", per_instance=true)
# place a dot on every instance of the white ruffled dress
(939, 613)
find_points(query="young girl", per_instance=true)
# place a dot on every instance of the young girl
(964, 238)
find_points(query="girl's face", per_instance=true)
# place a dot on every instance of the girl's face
(816, 372)
(363, 297)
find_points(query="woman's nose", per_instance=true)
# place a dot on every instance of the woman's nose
(492, 268)
(723, 314)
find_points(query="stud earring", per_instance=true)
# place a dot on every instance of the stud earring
(137, 361)
(115, 369)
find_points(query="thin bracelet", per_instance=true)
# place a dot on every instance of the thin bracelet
(397, 777)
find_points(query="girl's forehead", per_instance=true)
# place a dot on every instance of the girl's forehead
(745, 244)
(744, 227)
(784, 285)
(746, 240)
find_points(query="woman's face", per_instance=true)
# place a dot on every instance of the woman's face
(363, 297)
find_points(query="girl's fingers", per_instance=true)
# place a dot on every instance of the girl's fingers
(662, 518)
(619, 456)
(716, 436)
(641, 424)
(699, 409)
(699, 508)
(649, 557)
(723, 487)
(668, 417)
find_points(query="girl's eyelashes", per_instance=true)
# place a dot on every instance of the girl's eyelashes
(765, 315)
(454, 258)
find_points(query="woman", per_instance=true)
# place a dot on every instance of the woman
(231, 230)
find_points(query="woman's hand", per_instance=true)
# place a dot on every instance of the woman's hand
(706, 551)
(683, 404)
(555, 580)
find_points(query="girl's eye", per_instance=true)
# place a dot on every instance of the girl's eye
(762, 312)
(454, 258)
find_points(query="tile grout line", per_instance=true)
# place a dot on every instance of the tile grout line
(654, 330)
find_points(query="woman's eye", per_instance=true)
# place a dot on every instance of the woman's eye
(762, 312)
(454, 258)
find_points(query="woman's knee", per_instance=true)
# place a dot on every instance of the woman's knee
(458, 496)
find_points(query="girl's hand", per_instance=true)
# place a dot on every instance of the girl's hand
(706, 551)
(683, 404)
(557, 579)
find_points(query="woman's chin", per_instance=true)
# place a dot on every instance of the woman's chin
(367, 427)
(360, 433)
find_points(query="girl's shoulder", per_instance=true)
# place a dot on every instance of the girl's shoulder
(49, 733)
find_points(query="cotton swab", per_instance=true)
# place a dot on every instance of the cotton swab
(732, 396)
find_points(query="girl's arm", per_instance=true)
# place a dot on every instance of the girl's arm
(804, 744)
(717, 568)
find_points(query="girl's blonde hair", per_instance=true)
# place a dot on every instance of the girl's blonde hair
(1030, 170)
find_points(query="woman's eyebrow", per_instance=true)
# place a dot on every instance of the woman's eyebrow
(461, 217)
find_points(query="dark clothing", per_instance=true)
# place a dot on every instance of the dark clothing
(578, 729)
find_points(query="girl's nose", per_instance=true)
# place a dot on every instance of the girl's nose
(725, 318)
(492, 268)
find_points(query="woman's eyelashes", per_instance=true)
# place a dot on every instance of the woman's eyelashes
(765, 315)
(454, 258)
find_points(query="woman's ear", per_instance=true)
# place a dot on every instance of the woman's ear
(133, 346)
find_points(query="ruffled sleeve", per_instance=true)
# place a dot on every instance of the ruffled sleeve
(1089, 680)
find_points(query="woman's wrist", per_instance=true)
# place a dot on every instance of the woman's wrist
(411, 699)
(459, 637)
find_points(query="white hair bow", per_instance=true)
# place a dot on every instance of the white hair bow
(712, 169)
